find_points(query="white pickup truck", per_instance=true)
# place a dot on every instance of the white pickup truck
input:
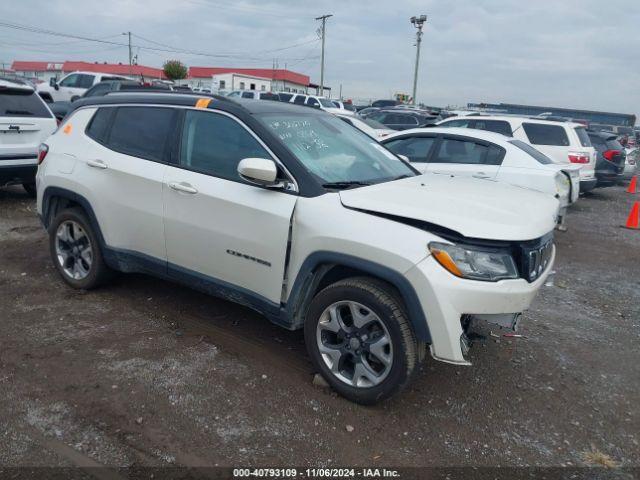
(72, 85)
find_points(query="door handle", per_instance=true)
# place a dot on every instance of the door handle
(481, 175)
(97, 164)
(183, 187)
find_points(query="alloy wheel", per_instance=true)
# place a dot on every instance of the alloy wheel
(73, 250)
(354, 344)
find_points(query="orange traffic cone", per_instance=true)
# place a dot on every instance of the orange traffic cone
(633, 184)
(633, 222)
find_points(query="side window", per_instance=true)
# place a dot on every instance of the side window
(455, 123)
(299, 100)
(247, 94)
(583, 136)
(214, 144)
(416, 149)
(85, 81)
(312, 102)
(541, 134)
(99, 124)
(460, 151)
(141, 131)
(497, 126)
(70, 81)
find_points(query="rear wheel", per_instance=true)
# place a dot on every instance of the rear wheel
(75, 250)
(359, 338)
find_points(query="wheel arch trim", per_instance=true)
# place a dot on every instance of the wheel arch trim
(319, 263)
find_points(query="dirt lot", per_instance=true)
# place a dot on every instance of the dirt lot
(148, 373)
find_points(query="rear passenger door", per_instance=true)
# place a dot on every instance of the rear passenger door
(122, 163)
(220, 229)
(466, 157)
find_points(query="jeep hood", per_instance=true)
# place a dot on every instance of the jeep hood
(472, 207)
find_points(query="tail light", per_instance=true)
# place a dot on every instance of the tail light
(43, 149)
(609, 154)
(579, 157)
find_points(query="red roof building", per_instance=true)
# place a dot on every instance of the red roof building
(69, 66)
(274, 74)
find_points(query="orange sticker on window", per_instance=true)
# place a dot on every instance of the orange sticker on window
(67, 129)
(203, 102)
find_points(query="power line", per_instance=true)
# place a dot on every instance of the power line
(166, 49)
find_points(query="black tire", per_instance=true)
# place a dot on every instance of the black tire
(98, 273)
(382, 299)
(30, 188)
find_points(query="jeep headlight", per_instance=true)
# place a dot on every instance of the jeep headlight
(563, 186)
(475, 263)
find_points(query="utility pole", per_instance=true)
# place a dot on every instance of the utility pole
(417, 22)
(130, 51)
(322, 33)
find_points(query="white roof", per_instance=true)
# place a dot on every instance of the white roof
(511, 118)
(492, 137)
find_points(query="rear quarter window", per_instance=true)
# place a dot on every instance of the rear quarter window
(539, 156)
(99, 124)
(541, 134)
(18, 102)
(583, 136)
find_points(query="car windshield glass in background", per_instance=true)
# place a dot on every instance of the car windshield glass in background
(374, 123)
(19, 102)
(335, 151)
(585, 141)
(539, 156)
(541, 134)
(326, 103)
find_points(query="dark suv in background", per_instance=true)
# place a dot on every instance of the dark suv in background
(611, 157)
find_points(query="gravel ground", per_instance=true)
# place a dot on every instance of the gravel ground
(149, 373)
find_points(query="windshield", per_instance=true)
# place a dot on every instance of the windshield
(334, 151)
(374, 123)
(538, 155)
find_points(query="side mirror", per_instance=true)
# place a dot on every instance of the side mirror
(316, 105)
(52, 82)
(260, 171)
(74, 98)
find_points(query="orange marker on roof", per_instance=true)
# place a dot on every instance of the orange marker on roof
(203, 102)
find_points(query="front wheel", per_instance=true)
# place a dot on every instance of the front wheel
(359, 338)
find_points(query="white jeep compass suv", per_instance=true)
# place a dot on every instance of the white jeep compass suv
(299, 216)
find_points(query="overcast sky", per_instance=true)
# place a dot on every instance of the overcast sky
(569, 53)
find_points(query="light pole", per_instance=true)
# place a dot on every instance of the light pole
(417, 22)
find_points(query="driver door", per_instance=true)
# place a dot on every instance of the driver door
(74, 85)
(219, 228)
